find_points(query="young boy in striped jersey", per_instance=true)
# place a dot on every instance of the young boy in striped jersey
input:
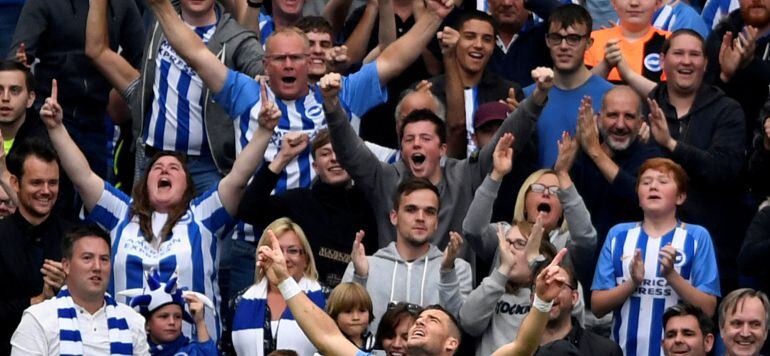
(646, 267)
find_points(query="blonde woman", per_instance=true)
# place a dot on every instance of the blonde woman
(496, 309)
(261, 322)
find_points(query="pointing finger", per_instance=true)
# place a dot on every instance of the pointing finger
(54, 91)
(559, 257)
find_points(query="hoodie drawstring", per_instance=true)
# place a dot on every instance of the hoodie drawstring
(422, 285)
(393, 280)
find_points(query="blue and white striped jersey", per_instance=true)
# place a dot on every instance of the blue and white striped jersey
(715, 10)
(266, 27)
(471, 104)
(240, 97)
(680, 15)
(250, 316)
(175, 121)
(190, 251)
(638, 324)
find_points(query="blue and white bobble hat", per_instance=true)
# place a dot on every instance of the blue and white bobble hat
(161, 294)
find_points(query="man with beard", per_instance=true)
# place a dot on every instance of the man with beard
(563, 333)
(568, 39)
(604, 171)
(743, 317)
(687, 331)
(738, 52)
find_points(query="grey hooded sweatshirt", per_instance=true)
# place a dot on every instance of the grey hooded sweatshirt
(421, 282)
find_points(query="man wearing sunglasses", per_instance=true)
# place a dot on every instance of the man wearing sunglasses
(568, 39)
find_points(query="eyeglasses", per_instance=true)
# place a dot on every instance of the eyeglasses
(518, 244)
(7, 202)
(293, 251)
(554, 39)
(413, 309)
(293, 58)
(540, 188)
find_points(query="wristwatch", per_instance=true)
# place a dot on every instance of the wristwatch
(255, 4)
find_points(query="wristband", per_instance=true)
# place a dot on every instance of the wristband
(289, 288)
(538, 304)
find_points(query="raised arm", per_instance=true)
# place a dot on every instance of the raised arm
(401, 53)
(521, 122)
(350, 150)
(314, 322)
(476, 225)
(111, 65)
(548, 284)
(231, 187)
(358, 40)
(189, 46)
(257, 206)
(87, 183)
(457, 144)
(335, 12)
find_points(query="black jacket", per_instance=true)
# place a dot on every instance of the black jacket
(710, 147)
(54, 32)
(755, 251)
(749, 86)
(22, 251)
(581, 342)
(330, 216)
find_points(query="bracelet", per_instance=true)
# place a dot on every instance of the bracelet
(255, 4)
(289, 288)
(540, 305)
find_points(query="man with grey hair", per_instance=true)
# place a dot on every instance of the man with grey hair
(743, 321)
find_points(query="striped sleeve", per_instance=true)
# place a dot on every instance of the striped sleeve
(112, 207)
(238, 95)
(705, 274)
(208, 209)
(604, 277)
(362, 90)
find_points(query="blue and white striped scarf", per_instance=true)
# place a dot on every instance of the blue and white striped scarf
(70, 341)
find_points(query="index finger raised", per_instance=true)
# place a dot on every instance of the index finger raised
(559, 257)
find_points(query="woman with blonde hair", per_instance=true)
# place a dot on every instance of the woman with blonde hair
(546, 202)
(261, 322)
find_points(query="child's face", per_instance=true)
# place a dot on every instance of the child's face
(658, 192)
(165, 324)
(353, 322)
(635, 15)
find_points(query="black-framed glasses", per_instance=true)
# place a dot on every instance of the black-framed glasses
(7, 202)
(540, 188)
(413, 309)
(554, 39)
